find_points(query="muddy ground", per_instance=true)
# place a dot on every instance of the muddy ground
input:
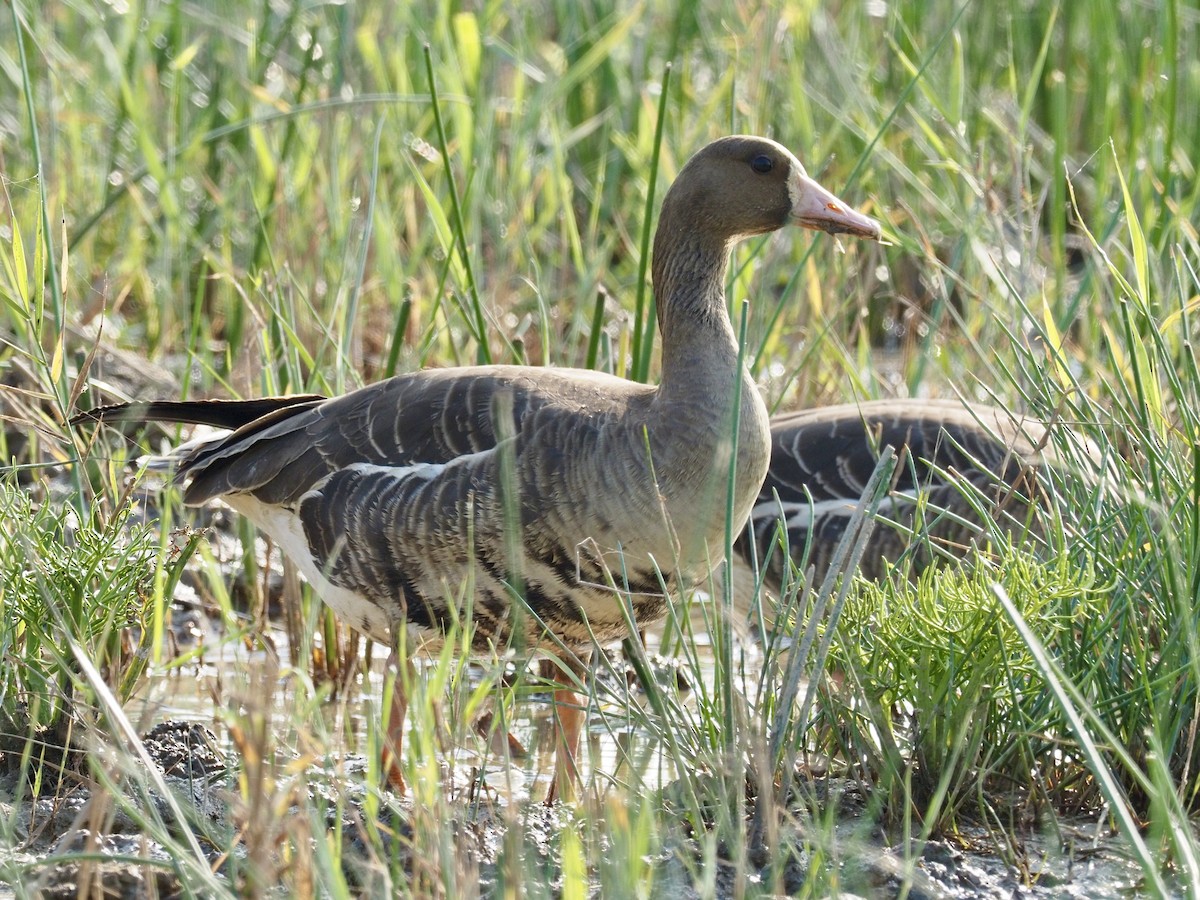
(65, 854)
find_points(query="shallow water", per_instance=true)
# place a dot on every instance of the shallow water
(229, 679)
(1077, 859)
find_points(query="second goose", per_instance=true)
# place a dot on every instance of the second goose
(947, 452)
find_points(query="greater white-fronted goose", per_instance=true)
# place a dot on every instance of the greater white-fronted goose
(548, 483)
(822, 458)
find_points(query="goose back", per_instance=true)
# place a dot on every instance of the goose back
(402, 489)
(821, 460)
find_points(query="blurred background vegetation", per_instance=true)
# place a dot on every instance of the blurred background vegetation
(254, 193)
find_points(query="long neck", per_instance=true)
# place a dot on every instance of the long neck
(692, 411)
(689, 285)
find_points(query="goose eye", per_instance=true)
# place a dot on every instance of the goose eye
(762, 164)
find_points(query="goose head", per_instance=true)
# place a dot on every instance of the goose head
(740, 186)
(731, 189)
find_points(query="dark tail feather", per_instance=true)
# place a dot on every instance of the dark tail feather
(231, 414)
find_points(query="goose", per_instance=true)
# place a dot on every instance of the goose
(580, 493)
(822, 458)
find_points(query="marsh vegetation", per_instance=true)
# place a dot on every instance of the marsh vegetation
(238, 199)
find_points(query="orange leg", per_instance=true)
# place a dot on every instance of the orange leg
(394, 731)
(569, 719)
